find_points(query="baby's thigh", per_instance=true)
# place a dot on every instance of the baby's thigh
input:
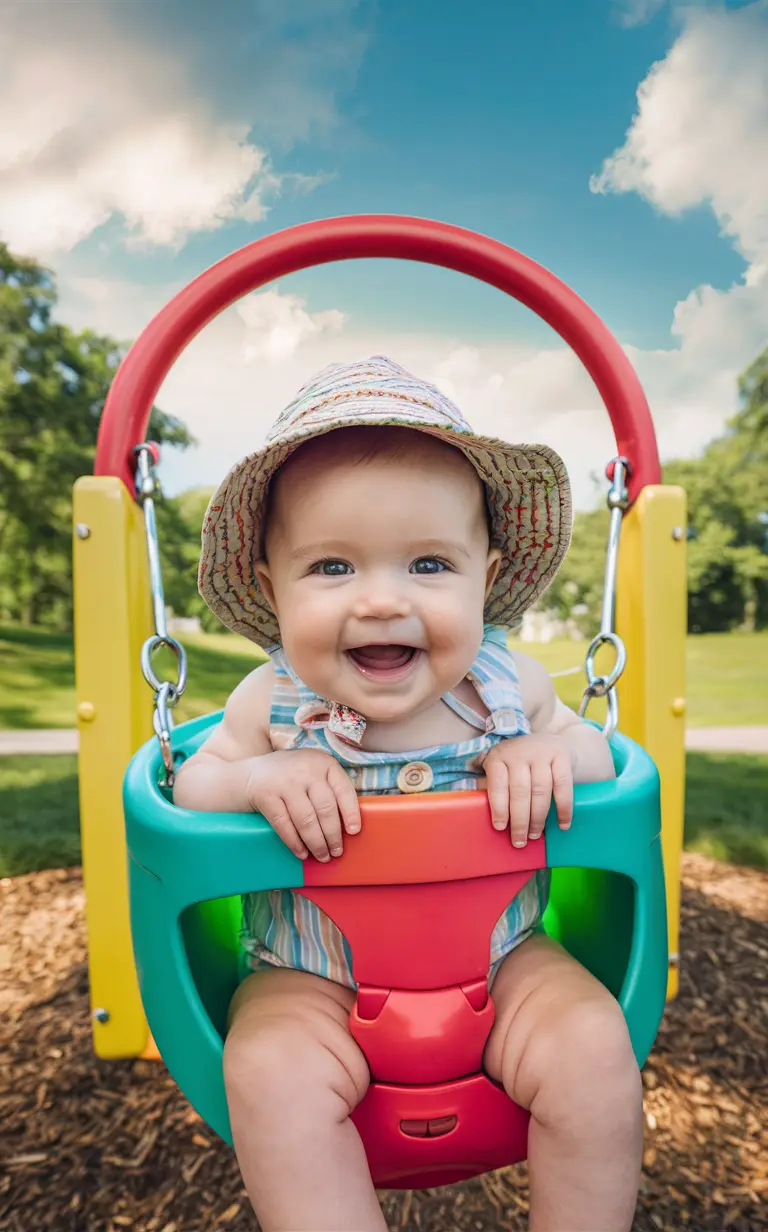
(557, 1029)
(289, 1037)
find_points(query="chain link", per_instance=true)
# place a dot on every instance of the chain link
(166, 692)
(605, 685)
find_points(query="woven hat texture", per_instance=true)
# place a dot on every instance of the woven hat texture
(527, 490)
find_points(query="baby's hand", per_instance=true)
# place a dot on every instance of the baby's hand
(522, 776)
(307, 798)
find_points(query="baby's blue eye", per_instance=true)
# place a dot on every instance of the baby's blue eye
(332, 568)
(428, 564)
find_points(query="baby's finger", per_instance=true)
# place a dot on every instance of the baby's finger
(276, 812)
(541, 797)
(346, 798)
(323, 801)
(519, 802)
(304, 818)
(497, 784)
(562, 789)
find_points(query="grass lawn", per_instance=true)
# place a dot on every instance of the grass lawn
(726, 811)
(727, 676)
(39, 678)
(39, 817)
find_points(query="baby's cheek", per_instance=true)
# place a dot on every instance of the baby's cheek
(456, 633)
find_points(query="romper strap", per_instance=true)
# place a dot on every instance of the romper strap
(465, 712)
(494, 675)
(286, 700)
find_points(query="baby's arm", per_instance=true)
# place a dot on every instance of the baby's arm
(216, 778)
(304, 794)
(590, 754)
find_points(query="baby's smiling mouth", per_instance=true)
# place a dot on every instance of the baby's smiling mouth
(383, 662)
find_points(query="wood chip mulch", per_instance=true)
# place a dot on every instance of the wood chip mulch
(93, 1146)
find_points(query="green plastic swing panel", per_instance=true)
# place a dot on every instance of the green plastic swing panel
(188, 870)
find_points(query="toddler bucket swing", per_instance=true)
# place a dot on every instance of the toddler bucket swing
(431, 866)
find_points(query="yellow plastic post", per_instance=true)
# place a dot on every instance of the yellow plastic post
(113, 616)
(651, 617)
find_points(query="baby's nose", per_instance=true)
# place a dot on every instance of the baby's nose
(381, 599)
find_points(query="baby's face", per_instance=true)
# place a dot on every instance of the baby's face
(377, 566)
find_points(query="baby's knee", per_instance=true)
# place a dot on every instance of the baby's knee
(587, 1067)
(306, 1056)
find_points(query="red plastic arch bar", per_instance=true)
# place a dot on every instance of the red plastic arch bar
(127, 410)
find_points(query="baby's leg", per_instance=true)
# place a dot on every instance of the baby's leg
(561, 1048)
(293, 1074)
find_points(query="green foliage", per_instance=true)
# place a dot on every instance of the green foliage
(579, 582)
(53, 384)
(727, 492)
(179, 523)
(753, 391)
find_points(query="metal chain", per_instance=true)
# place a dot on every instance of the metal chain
(597, 685)
(167, 692)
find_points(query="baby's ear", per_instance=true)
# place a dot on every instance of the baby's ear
(493, 564)
(264, 578)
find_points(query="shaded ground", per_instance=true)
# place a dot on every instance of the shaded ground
(93, 1146)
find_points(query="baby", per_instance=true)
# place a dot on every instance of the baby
(377, 548)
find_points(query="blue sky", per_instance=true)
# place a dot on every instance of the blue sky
(496, 124)
(496, 116)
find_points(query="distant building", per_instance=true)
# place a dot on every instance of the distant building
(539, 625)
(182, 624)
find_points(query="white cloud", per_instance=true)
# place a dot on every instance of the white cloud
(700, 138)
(700, 135)
(278, 324)
(103, 119)
(236, 376)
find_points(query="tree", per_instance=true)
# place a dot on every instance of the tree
(727, 489)
(53, 384)
(727, 492)
(753, 391)
(180, 522)
(579, 582)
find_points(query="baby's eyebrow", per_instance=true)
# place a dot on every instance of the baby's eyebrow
(423, 547)
(440, 547)
(307, 551)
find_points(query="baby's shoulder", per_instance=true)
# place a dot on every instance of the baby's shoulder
(250, 701)
(535, 682)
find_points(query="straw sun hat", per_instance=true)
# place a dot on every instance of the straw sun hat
(527, 489)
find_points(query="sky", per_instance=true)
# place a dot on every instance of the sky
(623, 144)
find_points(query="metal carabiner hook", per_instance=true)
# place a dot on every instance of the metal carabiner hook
(162, 721)
(599, 685)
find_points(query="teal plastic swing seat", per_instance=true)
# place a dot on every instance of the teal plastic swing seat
(188, 871)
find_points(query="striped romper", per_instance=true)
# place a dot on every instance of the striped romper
(283, 929)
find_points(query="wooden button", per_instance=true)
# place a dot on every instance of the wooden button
(415, 776)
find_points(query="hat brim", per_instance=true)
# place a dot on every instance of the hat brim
(529, 500)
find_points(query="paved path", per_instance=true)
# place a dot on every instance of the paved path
(700, 739)
(59, 740)
(727, 739)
